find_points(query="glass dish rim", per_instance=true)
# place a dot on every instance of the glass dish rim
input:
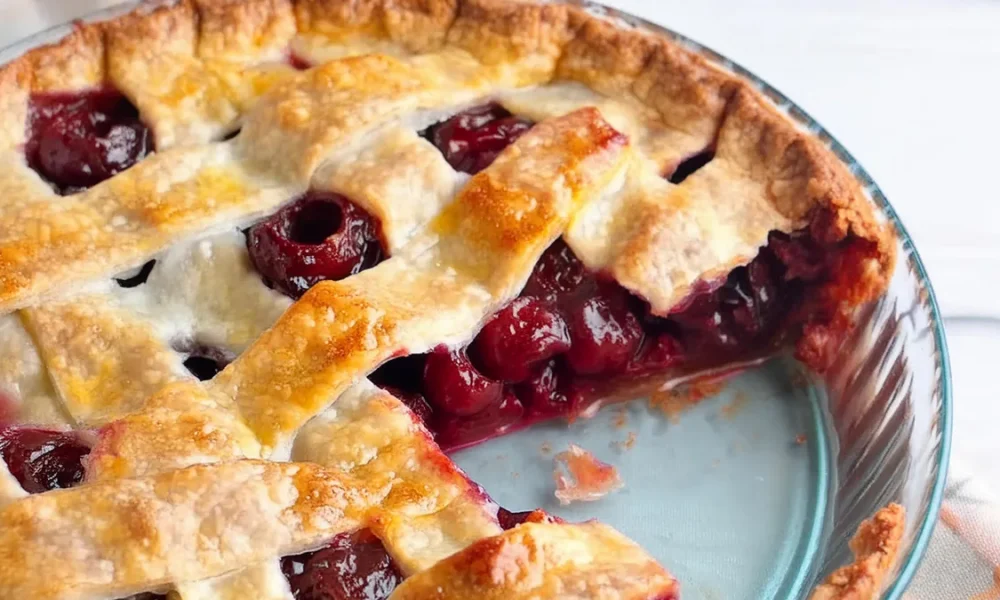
(908, 565)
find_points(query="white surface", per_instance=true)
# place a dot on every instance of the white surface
(910, 87)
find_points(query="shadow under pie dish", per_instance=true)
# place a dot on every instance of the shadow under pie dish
(266, 263)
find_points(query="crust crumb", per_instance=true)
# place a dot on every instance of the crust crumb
(801, 439)
(621, 417)
(875, 546)
(627, 444)
(585, 478)
(733, 408)
(674, 401)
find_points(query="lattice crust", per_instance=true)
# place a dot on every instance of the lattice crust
(128, 536)
(428, 508)
(460, 249)
(545, 560)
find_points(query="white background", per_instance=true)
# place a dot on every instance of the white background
(911, 88)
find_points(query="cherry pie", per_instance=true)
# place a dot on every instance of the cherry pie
(264, 263)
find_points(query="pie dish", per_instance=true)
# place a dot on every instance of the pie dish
(271, 260)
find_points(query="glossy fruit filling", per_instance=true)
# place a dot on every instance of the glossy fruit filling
(78, 140)
(204, 361)
(42, 459)
(570, 331)
(354, 566)
(317, 237)
(472, 139)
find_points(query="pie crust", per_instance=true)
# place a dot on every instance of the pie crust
(174, 458)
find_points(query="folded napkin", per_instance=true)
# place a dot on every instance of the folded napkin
(963, 561)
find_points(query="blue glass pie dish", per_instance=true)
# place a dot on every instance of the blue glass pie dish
(756, 491)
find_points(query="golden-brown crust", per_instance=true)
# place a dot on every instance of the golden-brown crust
(238, 29)
(551, 40)
(545, 560)
(341, 329)
(428, 508)
(875, 546)
(134, 535)
(103, 361)
(75, 62)
(496, 31)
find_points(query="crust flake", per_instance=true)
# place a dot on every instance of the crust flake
(875, 546)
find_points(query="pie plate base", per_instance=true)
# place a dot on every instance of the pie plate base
(731, 494)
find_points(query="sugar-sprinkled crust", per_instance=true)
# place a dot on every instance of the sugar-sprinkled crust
(490, 237)
(129, 536)
(546, 42)
(200, 69)
(545, 560)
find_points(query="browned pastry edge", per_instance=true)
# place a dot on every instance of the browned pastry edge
(875, 546)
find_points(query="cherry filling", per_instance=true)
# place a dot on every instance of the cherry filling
(41, 459)
(76, 141)
(203, 361)
(472, 139)
(320, 236)
(355, 566)
(139, 278)
(571, 331)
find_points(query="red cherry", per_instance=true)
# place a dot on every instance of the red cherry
(802, 257)
(520, 337)
(43, 460)
(471, 140)
(557, 272)
(545, 393)
(354, 566)
(510, 520)
(604, 333)
(318, 237)
(657, 353)
(454, 386)
(455, 432)
(415, 401)
(78, 140)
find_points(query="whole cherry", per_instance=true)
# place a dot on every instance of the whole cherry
(604, 332)
(318, 237)
(527, 332)
(454, 386)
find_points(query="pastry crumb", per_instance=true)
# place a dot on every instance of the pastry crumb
(546, 448)
(874, 546)
(625, 444)
(731, 409)
(581, 477)
(674, 401)
(801, 439)
(621, 417)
